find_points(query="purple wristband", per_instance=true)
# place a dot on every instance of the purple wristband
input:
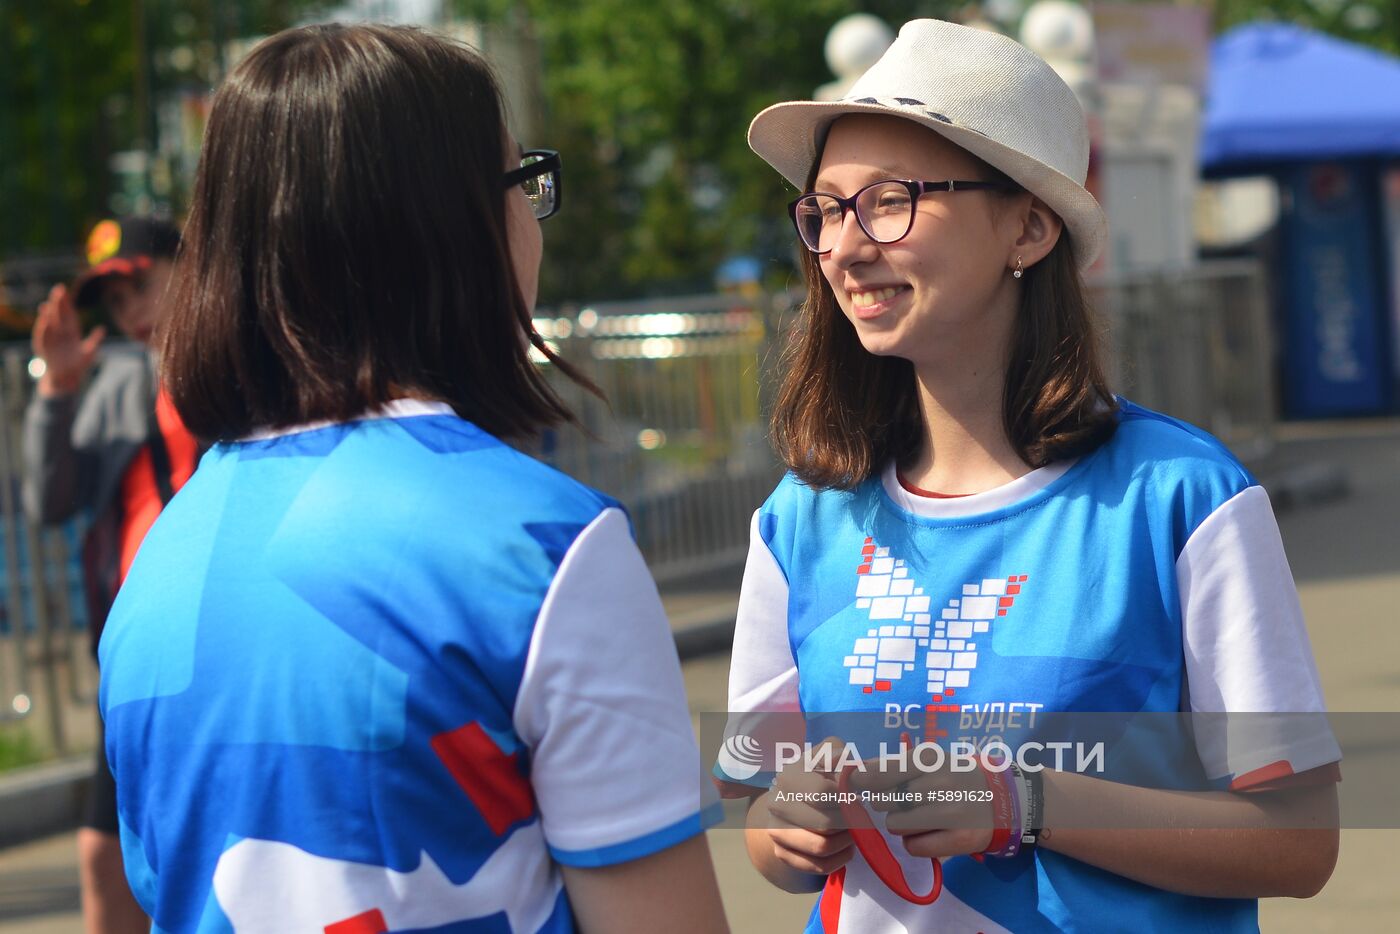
(1008, 781)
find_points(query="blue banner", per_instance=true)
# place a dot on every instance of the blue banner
(1334, 352)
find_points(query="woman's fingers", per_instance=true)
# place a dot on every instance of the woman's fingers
(938, 814)
(794, 780)
(807, 851)
(948, 799)
(924, 818)
(875, 777)
(807, 799)
(806, 816)
(821, 867)
(943, 844)
(808, 803)
(811, 844)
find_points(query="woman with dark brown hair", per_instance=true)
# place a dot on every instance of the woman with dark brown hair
(373, 669)
(974, 525)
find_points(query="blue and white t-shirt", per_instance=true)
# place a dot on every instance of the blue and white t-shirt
(1147, 576)
(386, 676)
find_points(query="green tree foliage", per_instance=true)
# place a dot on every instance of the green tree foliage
(73, 90)
(647, 101)
(649, 104)
(59, 65)
(1368, 22)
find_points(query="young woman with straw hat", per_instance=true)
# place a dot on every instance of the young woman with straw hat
(974, 523)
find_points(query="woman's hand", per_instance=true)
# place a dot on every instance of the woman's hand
(954, 816)
(58, 341)
(796, 834)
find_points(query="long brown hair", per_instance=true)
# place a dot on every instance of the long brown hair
(842, 413)
(347, 242)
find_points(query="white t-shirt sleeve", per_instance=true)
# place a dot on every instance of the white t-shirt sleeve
(763, 702)
(614, 763)
(1246, 649)
(762, 671)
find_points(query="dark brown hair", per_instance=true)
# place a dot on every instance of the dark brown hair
(843, 413)
(347, 242)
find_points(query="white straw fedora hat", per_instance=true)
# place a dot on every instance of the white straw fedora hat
(982, 91)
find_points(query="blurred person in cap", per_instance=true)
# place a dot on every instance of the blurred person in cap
(950, 433)
(117, 448)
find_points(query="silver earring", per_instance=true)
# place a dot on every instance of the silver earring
(1019, 270)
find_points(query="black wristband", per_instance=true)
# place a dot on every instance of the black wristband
(1033, 815)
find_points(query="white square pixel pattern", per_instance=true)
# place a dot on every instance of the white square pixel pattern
(906, 625)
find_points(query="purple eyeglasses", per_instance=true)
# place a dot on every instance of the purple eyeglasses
(884, 210)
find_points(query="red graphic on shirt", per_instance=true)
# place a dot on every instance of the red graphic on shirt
(491, 779)
(370, 922)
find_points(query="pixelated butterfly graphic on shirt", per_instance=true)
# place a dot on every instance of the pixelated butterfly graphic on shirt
(904, 624)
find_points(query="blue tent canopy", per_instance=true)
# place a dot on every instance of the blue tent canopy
(1281, 93)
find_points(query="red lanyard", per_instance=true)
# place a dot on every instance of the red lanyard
(872, 846)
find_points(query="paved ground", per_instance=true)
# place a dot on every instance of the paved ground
(1346, 558)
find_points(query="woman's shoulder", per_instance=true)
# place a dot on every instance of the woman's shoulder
(795, 495)
(478, 464)
(1172, 458)
(1155, 437)
(798, 511)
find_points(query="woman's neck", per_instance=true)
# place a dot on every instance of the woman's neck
(965, 448)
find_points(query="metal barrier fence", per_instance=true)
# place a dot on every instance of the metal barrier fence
(45, 664)
(1197, 345)
(681, 441)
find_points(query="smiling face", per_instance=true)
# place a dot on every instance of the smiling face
(949, 279)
